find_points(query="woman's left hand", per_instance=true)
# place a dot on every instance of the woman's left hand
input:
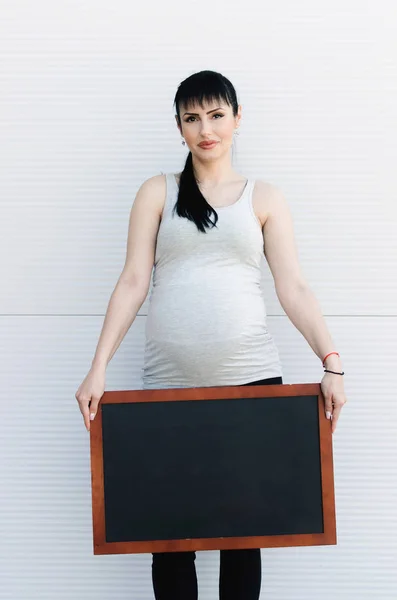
(334, 396)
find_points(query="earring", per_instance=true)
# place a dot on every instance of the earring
(236, 132)
(183, 142)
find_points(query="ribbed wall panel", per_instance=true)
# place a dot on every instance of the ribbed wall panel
(85, 117)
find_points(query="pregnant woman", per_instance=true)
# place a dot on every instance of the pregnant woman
(206, 232)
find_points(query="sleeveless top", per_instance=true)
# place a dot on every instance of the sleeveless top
(206, 322)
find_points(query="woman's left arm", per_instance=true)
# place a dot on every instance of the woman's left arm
(303, 310)
(295, 296)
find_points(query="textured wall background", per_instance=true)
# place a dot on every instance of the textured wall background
(85, 116)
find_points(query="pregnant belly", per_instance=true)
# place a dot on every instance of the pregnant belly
(200, 362)
(204, 349)
(205, 318)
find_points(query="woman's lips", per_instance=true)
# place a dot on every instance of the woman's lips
(208, 146)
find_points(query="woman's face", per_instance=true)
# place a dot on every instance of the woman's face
(214, 122)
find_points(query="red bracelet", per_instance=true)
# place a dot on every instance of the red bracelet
(330, 355)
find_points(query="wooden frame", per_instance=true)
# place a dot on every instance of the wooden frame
(328, 537)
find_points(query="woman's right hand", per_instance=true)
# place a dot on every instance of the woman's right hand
(89, 394)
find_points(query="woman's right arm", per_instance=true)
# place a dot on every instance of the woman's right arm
(130, 291)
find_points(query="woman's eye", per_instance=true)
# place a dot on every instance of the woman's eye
(215, 115)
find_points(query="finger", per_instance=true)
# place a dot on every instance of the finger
(83, 406)
(335, 417)
(328, 407)
(86, 415)
(93, 408)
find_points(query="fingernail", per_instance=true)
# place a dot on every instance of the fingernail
(92, 415)
(328, 414)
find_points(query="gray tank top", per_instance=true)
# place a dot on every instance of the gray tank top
(206, 322)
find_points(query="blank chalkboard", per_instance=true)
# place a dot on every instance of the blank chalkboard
(212, 468)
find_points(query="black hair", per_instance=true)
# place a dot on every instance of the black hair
(204, 86)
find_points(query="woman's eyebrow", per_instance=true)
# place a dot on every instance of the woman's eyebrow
(196, 114)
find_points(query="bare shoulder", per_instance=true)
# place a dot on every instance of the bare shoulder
(144, 223)
(155, 180)
(279, 239)
(266, 198)
(152, 193)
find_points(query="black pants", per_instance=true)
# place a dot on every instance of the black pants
(240, 574)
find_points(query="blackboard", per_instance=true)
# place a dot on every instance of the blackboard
(212, 468)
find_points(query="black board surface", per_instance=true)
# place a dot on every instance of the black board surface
(213, 468)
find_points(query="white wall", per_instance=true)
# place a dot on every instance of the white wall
(86, 115)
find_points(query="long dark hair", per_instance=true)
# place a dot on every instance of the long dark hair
(205, 86)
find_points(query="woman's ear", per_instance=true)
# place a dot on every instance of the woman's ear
(238, 117)
(178, 124)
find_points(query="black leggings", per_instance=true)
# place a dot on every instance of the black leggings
(240, 574)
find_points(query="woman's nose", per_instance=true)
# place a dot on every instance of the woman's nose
(205, 129)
